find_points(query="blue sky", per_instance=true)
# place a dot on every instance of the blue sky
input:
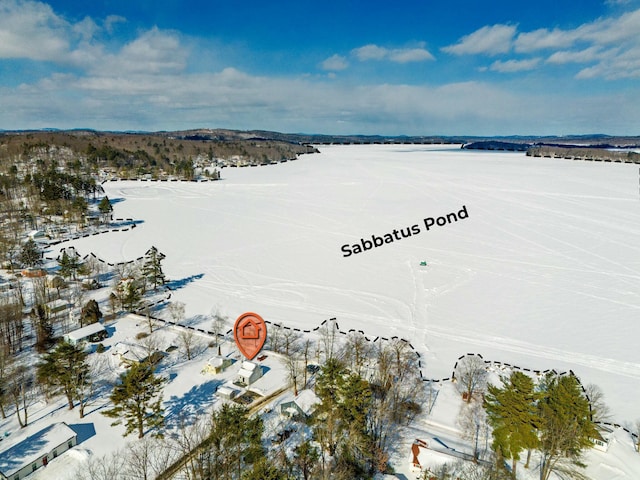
(459, 67)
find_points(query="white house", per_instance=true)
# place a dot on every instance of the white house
(249, 373)
(24, 457)
(603, 440)
(301, 406)
(91, 333)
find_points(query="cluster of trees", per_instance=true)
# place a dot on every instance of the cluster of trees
(136, 278)
(552, 418)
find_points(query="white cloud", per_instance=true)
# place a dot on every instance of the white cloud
(32, 30)
(397, 55)
(335, 63)
(489, 40)
(406, 55)
(512, 66)
(111, 21)
(576, 56)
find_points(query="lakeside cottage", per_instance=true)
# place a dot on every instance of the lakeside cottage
(23, 458)
(249, 373)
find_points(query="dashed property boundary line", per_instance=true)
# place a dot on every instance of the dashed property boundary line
(130, 221)
(333, 320)
(461, 357)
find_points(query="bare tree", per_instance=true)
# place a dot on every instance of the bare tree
(188, 340)
(11, 324)
(328, 338)
(147, 458)
(22, 390)
(218, 328)
(600, 411)
(151, 344)
(356, 352)
(290, 342)
(87, 383)
(471, 376)
(275, 337)
(176, 311)
(472, 420)
(306, 351)
(292, 363)
(6, 361)
(106, 467)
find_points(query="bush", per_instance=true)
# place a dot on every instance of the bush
(100, 348)
(141, 335)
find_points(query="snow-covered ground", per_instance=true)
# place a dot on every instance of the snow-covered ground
(544, 273)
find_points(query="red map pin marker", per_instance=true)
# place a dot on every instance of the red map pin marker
(250, 333)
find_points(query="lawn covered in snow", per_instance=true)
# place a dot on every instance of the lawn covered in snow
(543, 273)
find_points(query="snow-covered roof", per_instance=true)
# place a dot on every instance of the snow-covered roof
(85, 332)
(226, 391)
(307, 400)
(216, 361)
(250, 366)
(120, 348)
(33, 448)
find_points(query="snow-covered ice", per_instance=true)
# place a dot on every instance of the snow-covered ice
(544, 273)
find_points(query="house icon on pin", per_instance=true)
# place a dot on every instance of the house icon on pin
(250, 330)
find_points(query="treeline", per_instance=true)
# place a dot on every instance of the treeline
(137, 154)
(584, 153)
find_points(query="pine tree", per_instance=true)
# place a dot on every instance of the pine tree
(105, 208)
(30, 255)
(69, 265)
(513, 415)
(152, 267)
(137, 400)
(90, 313)
(566, 428)
(43, 328)
(65, 368)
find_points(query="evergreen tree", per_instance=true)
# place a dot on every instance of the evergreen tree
(327, 414)
(152, 267)
(30, 255)
(105, 208)
(264, 470)
(137, 400)
(69, 265)
(129, 294)
(513, 415)
(43, 328)
(90, 313)
(566, 428)
(305, 459)
(65, 368)
(235, 442)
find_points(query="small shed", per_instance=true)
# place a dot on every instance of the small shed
(249, 373)
(91, 333)
(301, 406)
(227, 392)
(216, 365)
(25, 457)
